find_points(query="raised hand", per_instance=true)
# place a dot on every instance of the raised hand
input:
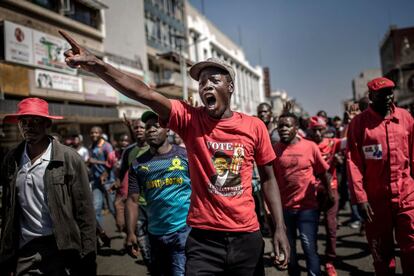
(127, 121)
(78, 57)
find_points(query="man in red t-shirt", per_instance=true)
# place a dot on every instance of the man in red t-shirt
(225, 238)
(299, 166)
(329, 147)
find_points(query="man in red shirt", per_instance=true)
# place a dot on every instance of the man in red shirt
(297, 166)
(380, 168)
(225, 236)
(329, 147)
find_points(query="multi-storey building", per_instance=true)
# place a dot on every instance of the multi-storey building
(32, 61)
(359, 84)
(397, 63)
(166, 34)
(206, 40)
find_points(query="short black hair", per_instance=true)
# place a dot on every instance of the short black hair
(265, 104)
(99, 128)
(221, 154)
(289, 115)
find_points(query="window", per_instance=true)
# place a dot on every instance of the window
(85, 15)
(47, 4)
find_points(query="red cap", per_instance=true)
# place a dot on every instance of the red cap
(317, 121)
(30, 107)
(380, 83)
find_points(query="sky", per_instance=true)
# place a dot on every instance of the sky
(314, 48)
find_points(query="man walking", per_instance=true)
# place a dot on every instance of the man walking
(225, 237)
(130, 154)
(329, 148)
(101, 162)
(297, 166)
(48, 221)
(161, 175)
(264, 113)
(380, 166)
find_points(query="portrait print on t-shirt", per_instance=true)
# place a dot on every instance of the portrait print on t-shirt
(227, 165)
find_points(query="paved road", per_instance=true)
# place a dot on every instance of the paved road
(352, 250)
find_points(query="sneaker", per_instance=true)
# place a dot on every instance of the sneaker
(330, 269)
(355, 224)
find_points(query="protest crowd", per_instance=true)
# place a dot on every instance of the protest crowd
(194, 189)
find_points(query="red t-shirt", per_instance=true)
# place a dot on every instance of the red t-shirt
(221, 155)
(295, 168)
(329, 147)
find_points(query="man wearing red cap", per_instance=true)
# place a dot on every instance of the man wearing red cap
(225, 236)
(48, 220)
(328, 147)
(380, 167)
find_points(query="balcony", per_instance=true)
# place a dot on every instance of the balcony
(170, 84)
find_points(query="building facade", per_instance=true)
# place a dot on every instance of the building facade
(167, 54)
(32, 62)
(397, 63)
(206, 40)
(359, 84)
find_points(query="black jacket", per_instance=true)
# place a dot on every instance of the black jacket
(69, 201)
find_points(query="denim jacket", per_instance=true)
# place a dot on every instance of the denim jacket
(69, 201)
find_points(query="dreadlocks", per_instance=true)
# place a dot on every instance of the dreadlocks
(287, 112)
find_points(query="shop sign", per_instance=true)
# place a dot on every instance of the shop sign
(56, 81)
(18, 43)
(30, 47)
(48, 52)
(98, 91)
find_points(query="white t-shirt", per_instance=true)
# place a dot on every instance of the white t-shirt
(84, 153)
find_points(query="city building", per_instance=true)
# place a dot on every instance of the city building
(359, 84)
(397, 63)
(32, 63)
(279, 98)
(206, 40)
(126, 49)
(166, 35)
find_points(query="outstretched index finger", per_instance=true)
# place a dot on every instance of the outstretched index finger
(76, 48)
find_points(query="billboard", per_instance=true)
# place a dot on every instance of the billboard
(56, 81)
(18, 42)
(33, 48)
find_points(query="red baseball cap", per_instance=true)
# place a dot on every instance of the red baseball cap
(380, 83)
(30, 107)
(317, 121)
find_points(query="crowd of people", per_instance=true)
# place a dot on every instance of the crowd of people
(198, 201)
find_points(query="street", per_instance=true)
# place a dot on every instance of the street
(352, 249)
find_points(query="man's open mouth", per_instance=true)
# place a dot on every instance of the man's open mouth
(210, 101)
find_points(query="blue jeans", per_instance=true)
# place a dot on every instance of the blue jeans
(306, 221)
(142, 236)
(100, 193)
(168, 253)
